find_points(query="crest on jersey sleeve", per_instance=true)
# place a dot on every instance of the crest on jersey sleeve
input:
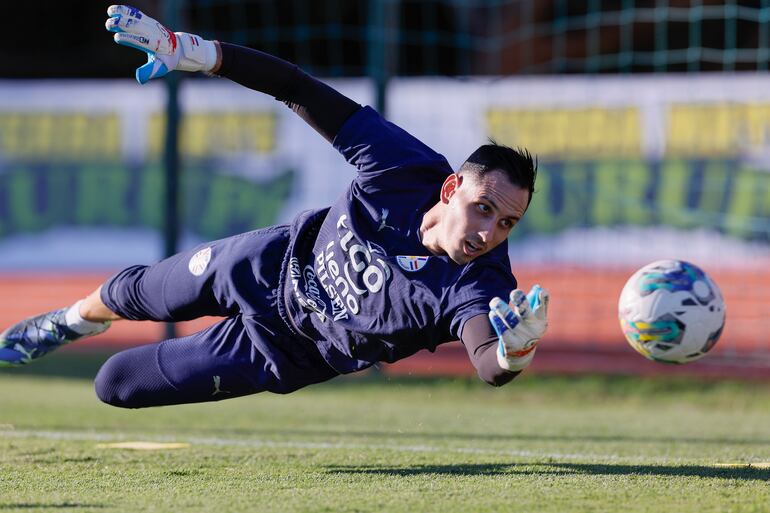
(199, 261)
(411, 263)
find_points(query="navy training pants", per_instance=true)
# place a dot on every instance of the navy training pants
(250, 351)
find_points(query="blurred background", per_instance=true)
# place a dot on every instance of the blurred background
(650, 120)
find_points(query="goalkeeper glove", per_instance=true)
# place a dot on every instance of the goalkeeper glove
(519, 325)
(166, 50)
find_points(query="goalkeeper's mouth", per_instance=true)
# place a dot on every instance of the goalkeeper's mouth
(473, 249)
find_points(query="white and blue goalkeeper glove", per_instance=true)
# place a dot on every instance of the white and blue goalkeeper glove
(166, 50)
(519, 325)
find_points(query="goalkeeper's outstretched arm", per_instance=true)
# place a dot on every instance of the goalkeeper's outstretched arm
(322, 107)
(519, 324)
(481, 343)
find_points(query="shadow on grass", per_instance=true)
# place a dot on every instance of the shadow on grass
(46, 505)
(562, 469)
(419, 436)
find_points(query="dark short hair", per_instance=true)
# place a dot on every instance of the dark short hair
(516, 164)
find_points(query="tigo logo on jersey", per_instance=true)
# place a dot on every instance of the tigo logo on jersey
(200, 261)
(411, 263)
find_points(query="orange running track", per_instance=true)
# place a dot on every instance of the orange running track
(583, 336)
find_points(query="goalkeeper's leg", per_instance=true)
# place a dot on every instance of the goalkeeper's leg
(230, 276)
(136, 293)
(37, 336)
(237, 356)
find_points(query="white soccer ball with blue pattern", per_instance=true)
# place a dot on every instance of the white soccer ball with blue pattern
(671, 311)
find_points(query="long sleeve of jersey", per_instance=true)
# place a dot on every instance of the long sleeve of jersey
(321, 106)
(480, 341)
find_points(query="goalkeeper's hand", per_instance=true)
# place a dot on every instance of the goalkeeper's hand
(166, 50)
(519, 325)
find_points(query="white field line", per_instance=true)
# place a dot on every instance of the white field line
(95, 436)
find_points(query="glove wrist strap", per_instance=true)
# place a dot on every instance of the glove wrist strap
(196, 53)
(515, 364)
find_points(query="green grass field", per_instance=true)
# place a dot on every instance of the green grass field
(364, 444)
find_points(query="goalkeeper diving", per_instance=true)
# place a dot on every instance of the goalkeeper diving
(412, 255)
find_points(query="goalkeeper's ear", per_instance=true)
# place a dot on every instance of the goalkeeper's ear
(450, 186)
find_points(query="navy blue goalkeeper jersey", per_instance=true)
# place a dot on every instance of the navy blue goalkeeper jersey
(358, 282)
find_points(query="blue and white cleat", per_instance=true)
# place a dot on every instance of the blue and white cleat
(37, 336)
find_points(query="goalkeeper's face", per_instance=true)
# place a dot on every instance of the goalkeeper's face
(479, 213)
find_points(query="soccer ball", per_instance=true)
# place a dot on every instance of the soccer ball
(671, 311)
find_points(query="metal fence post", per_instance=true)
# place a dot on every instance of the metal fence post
(171, 155)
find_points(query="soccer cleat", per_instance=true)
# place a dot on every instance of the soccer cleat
(37, 336)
